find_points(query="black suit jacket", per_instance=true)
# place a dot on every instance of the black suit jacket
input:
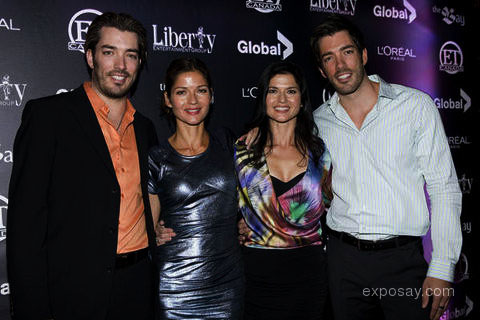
(64, 202)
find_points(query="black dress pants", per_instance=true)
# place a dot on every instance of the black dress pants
(379, 284)
(133, 292)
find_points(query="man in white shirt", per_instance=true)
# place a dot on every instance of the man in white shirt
(386, 142)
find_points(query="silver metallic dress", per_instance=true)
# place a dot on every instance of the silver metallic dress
(200, 269)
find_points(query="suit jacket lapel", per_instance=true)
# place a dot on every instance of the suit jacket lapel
(88, 122)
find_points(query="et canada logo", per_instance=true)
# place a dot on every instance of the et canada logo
(264, 6)
(462, 103)
(7, 24)
(408, 13)
(249, 47)
(11, 94)
(3, 217)
(192, 42)
(449, 15)
(346, 7)
(451, 58)
(78, 27)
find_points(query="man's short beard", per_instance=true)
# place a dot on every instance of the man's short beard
(105, 90)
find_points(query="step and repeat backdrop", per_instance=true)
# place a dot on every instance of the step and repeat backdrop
(429, 45)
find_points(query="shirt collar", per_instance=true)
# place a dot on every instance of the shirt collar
(99, 106)
(386, 91)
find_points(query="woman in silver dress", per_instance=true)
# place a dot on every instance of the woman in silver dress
(192, 188)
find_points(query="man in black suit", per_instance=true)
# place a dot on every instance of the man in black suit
(79, 221)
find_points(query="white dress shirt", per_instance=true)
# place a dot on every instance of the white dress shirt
(380, 170)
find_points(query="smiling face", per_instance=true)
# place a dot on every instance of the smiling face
(341, 62)
(283, 98)
(115, 63)
(189, 98)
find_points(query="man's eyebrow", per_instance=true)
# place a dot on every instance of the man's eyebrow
(341, 49)
(109, 46)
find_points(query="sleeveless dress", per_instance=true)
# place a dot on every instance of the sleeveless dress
(200, 270)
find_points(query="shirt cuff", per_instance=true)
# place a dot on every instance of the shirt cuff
(441, 269)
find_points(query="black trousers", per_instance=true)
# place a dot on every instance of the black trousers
(133, 292)
(285, 284)
(381, 284)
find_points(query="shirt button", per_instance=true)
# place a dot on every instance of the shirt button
(114, 191)
(109, 270)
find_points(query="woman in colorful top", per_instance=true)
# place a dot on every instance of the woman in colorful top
(192, 182)
(283, 180)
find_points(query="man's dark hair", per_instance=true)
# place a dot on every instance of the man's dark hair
(333, 24)
(122, 22)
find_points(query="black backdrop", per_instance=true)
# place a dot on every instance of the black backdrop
(425, 44)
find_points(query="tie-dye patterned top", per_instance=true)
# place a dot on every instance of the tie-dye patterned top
(290, 220)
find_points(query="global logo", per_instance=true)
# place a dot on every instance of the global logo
(449, 16)
(78, 27)
(451, 58)
(264, 6)
(250, 92)
(191, 42)
(463, 103)
(3, 217)
(7, 24)
(408, 13)
(6, 155)
(396, 53)
(249, 47)
(458, 312)
(11, 94)
(346, 7)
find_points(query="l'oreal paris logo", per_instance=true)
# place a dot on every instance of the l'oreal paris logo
(7, 24)
(396, 53)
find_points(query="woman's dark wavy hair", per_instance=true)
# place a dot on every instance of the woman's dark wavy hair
(175, 68)
(306, 132)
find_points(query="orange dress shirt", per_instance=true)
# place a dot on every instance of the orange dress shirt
(132, 232)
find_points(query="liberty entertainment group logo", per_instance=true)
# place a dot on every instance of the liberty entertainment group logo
(11, 94)
(78, 27)
(191, 42)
